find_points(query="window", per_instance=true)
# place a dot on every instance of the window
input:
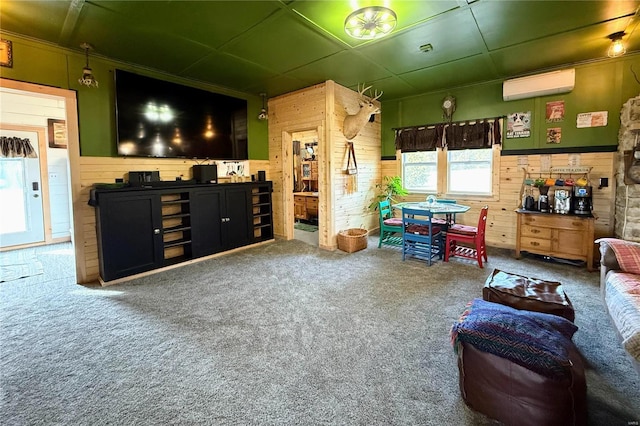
(468, 171)
(420, 171)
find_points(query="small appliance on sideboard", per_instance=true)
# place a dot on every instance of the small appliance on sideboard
(543, 199)
(582, 200)
(562, 201)
(205, 173)
(142, 178)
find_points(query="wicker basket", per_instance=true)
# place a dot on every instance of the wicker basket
(351, 240)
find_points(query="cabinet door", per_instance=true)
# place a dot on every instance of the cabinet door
(129, 234)
(206, 222)
(236, 223)
(571, 242)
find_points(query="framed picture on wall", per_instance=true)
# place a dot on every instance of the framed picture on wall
(57, 133)
(6, 53)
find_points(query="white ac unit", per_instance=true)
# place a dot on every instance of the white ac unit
(549, 83)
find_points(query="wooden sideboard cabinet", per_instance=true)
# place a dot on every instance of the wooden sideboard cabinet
(556, 235)
(305, 205)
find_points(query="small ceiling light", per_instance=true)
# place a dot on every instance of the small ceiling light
(87, 78)
(617, 47)
(263, 112)
(370, 22)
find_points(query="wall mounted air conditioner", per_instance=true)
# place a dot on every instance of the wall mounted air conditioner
(548, 83)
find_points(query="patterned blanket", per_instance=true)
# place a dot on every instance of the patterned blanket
(537, 341)
(622, 297)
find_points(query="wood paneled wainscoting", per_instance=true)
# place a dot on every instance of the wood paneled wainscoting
(502, 220)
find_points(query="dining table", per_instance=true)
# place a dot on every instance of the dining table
(448, 209)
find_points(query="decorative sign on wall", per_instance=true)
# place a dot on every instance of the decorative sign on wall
(519, 125)
(57, 133)
(555, 112)
(6, 53)
(554, 135)
(591, 119)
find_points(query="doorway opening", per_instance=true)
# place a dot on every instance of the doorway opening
(306, 192)
(36, 188)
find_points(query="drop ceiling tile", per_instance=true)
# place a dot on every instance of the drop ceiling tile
(228, 71)
(274, 86)
(211, 23)
(401, 53)
(506, 23)
(393, 88)
(345, 68)
(43, 19)
(452, 74)
(330, 15)
(565, 48)
(147, 46)
(282, 43)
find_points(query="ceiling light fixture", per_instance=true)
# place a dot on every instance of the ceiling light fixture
(87, 78)
(263, 112)
(617, 47)
(370, 22)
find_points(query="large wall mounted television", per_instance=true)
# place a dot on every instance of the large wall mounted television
(157, 118)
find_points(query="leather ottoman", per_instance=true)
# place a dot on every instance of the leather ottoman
(519, 367)
(515, 395)
(530, 294)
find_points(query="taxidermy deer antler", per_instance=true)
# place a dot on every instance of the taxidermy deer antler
(353, 123)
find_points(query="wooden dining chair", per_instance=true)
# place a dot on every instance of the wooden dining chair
(420, 237)
(472, 237)
(390, 227)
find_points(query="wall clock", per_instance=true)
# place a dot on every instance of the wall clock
(448, 107)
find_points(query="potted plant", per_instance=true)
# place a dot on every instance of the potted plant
(390, 187)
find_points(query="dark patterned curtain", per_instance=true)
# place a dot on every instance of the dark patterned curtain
(478, 135)
(11, 147)
(412, 139)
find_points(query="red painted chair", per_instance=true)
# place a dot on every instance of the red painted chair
(471, 236)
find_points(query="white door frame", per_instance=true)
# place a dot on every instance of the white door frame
(73, 149)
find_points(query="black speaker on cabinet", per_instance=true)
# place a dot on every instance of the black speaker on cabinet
(205, 173)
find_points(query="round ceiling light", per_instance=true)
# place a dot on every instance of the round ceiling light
(370, 22)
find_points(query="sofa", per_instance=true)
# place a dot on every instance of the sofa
(620, 288)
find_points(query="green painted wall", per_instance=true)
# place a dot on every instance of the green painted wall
(43, 63)
(601, 86)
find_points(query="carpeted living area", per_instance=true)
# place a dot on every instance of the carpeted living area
(283, 333)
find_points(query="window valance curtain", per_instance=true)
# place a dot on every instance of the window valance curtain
(472, 134)
(426, 138)
(11, 147)
(480, 134)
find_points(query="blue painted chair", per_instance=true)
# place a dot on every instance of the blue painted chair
(390, 227)
(420, 237)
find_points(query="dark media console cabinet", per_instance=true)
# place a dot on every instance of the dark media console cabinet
(141, 229)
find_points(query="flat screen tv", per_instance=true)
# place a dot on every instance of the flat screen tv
(156, 118)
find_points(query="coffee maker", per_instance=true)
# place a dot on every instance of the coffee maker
(582, 200)
(543, 199)
(562, 201)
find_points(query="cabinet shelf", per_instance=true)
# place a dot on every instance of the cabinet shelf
(168, 202)
(178, 228)
(175, 216)
(175, 243)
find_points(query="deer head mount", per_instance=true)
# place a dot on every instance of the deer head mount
(353, 123)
